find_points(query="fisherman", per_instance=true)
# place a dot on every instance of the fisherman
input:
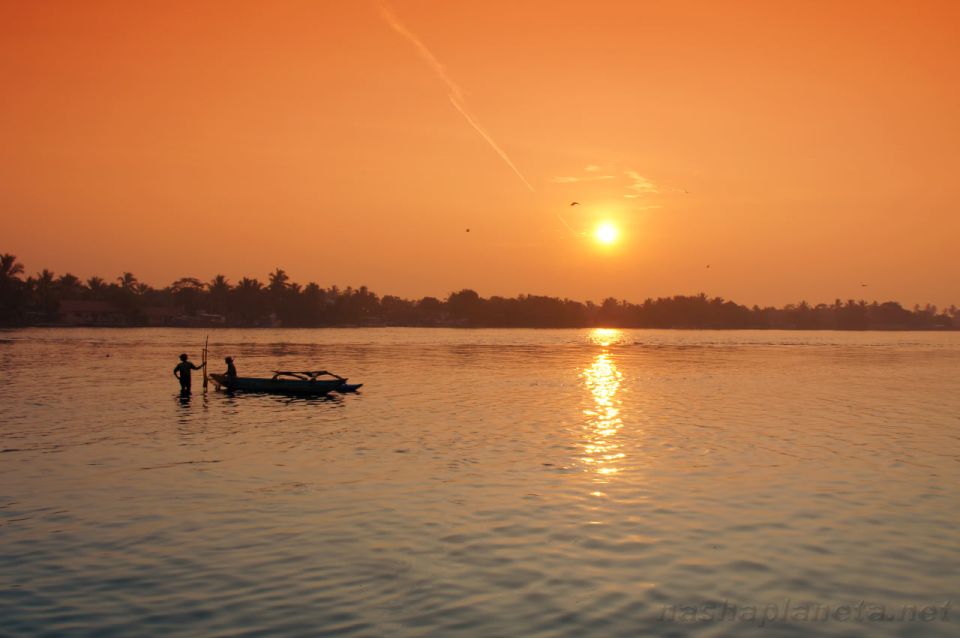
(231, 369)
(182, 373)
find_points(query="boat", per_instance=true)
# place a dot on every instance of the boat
(307, 382)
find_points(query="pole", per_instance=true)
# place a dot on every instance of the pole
(206, 342)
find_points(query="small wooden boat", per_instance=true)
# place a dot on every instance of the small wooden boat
(285, 382)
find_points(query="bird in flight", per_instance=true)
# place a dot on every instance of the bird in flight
(574, 203)
(468, 230)
(708, 265)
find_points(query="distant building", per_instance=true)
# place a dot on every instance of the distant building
(91, 313)
(104, 313)
(177, 317)
(201, 320)
(161, 316)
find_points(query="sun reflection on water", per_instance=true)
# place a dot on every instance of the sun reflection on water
(601, 448)
(605, 336)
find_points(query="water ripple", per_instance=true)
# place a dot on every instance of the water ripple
(483, 483)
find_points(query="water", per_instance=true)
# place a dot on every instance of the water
(482, 483)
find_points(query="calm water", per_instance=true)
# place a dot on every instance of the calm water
(483, 483)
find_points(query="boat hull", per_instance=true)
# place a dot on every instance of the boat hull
(276, 386)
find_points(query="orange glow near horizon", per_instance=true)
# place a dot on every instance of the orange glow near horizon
(353, 144)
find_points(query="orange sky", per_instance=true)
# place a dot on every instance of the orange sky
(818, 145)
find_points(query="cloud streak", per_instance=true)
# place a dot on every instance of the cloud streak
(634, 183)
(454, 92)
(639, 185)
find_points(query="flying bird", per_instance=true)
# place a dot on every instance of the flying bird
(574, 203)
(468, 230)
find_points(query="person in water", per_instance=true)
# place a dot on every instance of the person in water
(231, 369)
(182, 373)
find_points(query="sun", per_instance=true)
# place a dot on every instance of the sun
(606, 233)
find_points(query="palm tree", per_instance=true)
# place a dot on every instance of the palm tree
(219, 290)
(96, 286)
(46, 278)
(278, 280)
(279, 291)
(247, 285)
(69, 286)
(219, 284)
(246, 300)
(9, 268)
(12, 293)
(127, 281)
(44, 287)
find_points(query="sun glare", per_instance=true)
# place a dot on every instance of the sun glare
(606, 233)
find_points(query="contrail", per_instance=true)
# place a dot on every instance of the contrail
(564, 222)
(455, 94)
(476, 125)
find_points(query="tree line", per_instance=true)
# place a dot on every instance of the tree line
(39, 300)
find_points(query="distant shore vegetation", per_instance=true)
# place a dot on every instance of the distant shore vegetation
(50, 299)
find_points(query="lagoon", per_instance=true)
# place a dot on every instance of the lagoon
(482, 483)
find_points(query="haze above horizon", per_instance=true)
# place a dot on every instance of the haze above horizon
(765, 154)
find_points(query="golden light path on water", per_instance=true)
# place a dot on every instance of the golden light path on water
(601, 448)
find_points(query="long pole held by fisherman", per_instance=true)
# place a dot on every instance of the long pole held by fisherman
(206, 342)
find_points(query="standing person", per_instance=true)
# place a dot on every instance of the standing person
(182, 373)
(231, 369)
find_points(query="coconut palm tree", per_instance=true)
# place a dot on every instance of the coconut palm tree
(9, 268)
(96, 287)
(219, 284)
(278, 280)
(248, 284)
(247, 301)
(45, 292)
(127, 281)
(219, 292)
(69, 286)
(12, 292)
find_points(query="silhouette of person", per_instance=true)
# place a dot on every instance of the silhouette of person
(182, 372)
(231, 369)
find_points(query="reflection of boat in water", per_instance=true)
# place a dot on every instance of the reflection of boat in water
(288, 382)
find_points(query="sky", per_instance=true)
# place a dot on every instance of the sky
(798, 149)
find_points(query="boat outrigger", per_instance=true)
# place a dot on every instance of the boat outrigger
(288, 382)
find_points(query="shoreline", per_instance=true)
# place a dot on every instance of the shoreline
(460, 327)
